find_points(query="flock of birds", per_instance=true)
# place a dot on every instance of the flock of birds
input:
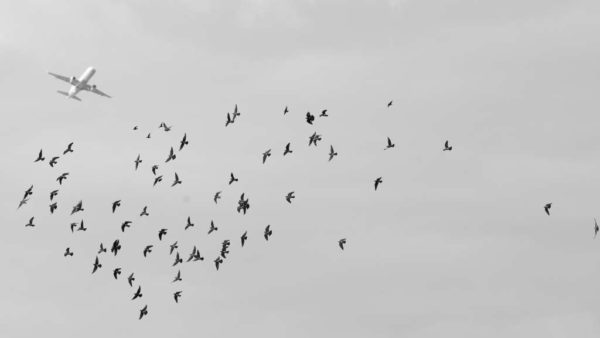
(243, 205)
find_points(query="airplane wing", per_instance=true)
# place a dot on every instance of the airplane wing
(64, 78)
(95, 90)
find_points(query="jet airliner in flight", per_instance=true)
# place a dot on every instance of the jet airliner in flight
(80, 84)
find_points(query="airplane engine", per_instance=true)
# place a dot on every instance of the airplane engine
(73, 79)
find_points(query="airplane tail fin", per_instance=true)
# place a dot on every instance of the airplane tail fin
(67, 95)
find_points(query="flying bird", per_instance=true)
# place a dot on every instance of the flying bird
(126, 224)
(148, 249)
(171, 156)
(53, 161)
(177, 277)
(23, 202)
(165, 127)
(229, 120)
(183, 142)
(244, 238)
(138, 293)
(309, 118)
(378, 181)
(116, 246)
(268, 232)
(332, 153)
(324, 113)
(189, 223)
(116, 204)
(154, 168)
(446, 147)
(137, 162)
(97, 265)
(144, 311)
(212, 227)
(287, 149)
(224, 248)
(266, 155)
(157, 179)
(217, 196)
(177, 259)
(547, 208)
(177, 180)
(68, 252)
(596, 228)
(285, 111)
(173, 247)
(53, 207)
(144, 212)
(135, 127)
(176, 295)
(389, 144)
(28, 192)
(218, 262)
(389, 104)
(30, 223)
(81, 227)
(243, 204)
(69, 149)
(53, 194)
(235, 112)
(102, 249)
(314, 138)
(40, 157)
(148, 136)
(73, 226)
(289, 197)
(341, 243)
(78, 207)
(116, 273)
(62, 177)
(232, 179)
(130, 280)
(161, 233)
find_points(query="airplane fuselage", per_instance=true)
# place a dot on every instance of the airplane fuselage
(77, 86)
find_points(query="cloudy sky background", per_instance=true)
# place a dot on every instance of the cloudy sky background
(453, 244)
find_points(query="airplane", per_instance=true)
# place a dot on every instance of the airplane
(79, 85)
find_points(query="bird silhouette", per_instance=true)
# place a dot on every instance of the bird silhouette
(144, 212)
(268, 232)
(189, 223)
(243, 204)
(332, 153)
(389, 144)
(596, 228)
(224, 248)
(154, 168)
(314, 138)
(23, 202)
(138, 293)
(177, 259)
(135, 127)
(116, 273)
(165, 127)
(116, 204)
(137, 162)
(97, 265)
(116, 246)
(378, 181)
(126, 224)
(244, 238)
(232, 179)
(30, 223)
(183, 142)
(177, 277)
(212, 227)
(389, 104)
(171, 156)
(266, 155)
(287, 149)
(53, 207)
(217, 196)
(68, 252)
(236, 112)
(218, 261)
(176, 181)
(324, 113)
(40, 157)
(148, 249)
(73, 226)
(53, 161)
(102, 249)
(285, 111)
(161, 233)
(176, 295)
(148, 136)
(77, 208)
(53, 194)
(130, 280)
(157, 179)
(229, 120)
(62, 177)
(69, 149)
(28, 192)
(341, 243)
(547, 208)
(144, 311)
(289, 197)
(446, 147)
(192, 255)
(173, 247)
(81, 227)
(309, 118)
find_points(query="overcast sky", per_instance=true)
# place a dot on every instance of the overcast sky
(453, 244)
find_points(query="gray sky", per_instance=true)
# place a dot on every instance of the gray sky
(453, 244)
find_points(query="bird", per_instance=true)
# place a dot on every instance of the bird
(81, 227)
(218, 262)
(596, 228)
(154, 168)
(189, 223)
(73, 226)
(53, 207)
(137, 162)
(144, 212)
(157, 179)
(446, 147)
(68, 252)
(193, 254)
(224, 248)
(69, 149)
(173, 247)
(28, 192)
(285, 111)
(78, 207)
(176, 295)
(378, 181)
(161, 233)
(183, 142)
(53, 161)
(289, 197)
(244, 238)
(389, 104)
(287, 149)
(389, 144)
(243, 204)
(126, 224)
(40, 157)
(217, 196)
(332, 153)
(235, 112)
(97, 265)
(130, 280)
(23, 202)
(62, 177)
(30, 223)
(232, 179)
(177, 259)
(309, 118)
(102, 249)
(138, 293)
(177, 277)
(229, 120)
(268, 232)
(266, 155)
(116, 273)
(144, 311)
(148, 249)
(212, 227)
(171, 156)
(53, 194)
(165, 127)
(547, 208)
(341, 243)
(324, 113)
(314, 138)
(116, 204)
(148, 136)
(177, 180)
(116, 246)
(135, 127)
